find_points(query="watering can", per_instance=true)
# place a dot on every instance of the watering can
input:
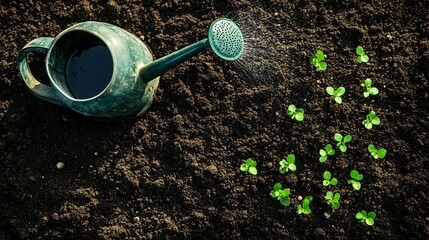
(103, 71)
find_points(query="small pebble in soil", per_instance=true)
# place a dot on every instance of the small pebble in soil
(96, 153)
(299, 198)
(60, 165)
(319, 233)
(327, 215)
(136, 219)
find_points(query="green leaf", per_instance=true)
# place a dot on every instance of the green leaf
(359, 59)
(334, 182)
(354, 174)
(325, 183)
(338, 100)
(273, 194)
(291, 158)
(337, 196)
(368, 82)
(335, 205)
(369, 221)
(323, 66)
(371, 148)
(330, 91)
(350, 181)
(305, 202)
(373, 91)
(375, 121)
(323, 159)
(371, 215)
(299, 116)
(347, 138)
(286, 192)
(359, 50)
(253, 171)
(381, 153)
(368, 125)
(291, 108)
(356, 185)
(359, 215)
(314, 60)
(338, 137)
(320, 55)
(340, 91)
(328, 148)
(292, 167)
(327, 175)
(366, 94)
(285, 201)
(364, 58)
(244, 168)
(322, 152)
(343, 148)
(277, 186)
(329, 195)
(249, 162)
(359, 177)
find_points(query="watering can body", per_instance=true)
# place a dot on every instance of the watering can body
(126, 94)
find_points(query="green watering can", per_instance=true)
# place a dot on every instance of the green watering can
(103, 71)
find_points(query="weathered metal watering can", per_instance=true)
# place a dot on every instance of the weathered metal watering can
(103, 71)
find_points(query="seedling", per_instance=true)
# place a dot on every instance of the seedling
(304, 208)
(281, 194)
(336, 94)
(370, 120)
(377, 153)
(362, 57)
(295, 113)
(368, 89)
(356, 178)
(317, 61)
(325, 152)
(327, 179)
(333, 200)
(288, 164)
(366, 218)
(249, 166)
(341, 141)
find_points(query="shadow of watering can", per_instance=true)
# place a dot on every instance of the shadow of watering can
(103, 71)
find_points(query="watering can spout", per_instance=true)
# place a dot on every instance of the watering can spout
(224, 38)
(164, 64)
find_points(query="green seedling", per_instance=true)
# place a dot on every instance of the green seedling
(362, 57)
(369, 90)
(333, 200)
(281, 194)
(370, 120)
(356, 178)
(341, 141)
(324, 153)
(366, 218)
(328, 180)
(377, 153)
(249, 166)
(288, 164)
(304, 208)
(295, 113)
(336, 94)
(317, 61)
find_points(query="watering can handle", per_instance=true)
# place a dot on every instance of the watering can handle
(40, 90)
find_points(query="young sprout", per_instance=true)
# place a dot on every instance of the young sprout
(377, 153)
(341, 141)
(304, 208)
(368, 89)
(366, 218)
(249, 166)
(370, 120)
(336, 94)
(281, 194)
(325, 152)
(362, 55)
(356, 178)
(317, 61)
(327, 179)
(295, 113)
(288, 164)
(333, 200)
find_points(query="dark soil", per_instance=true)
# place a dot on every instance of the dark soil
(174, 173)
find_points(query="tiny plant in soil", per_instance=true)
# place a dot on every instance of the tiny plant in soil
(304, 207)
(317, 61)
(362, 57)
(295, 113)
(336, 94)
(324, 153)
(333, 199)
(366, 218)
(328, 180)
(281, 194)
(377, 153)
(356, 177)
(369, 90)
(370, 120)
(249, 166)
(341, 141)
(287, 164)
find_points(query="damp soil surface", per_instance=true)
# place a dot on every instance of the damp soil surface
(175, 172)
